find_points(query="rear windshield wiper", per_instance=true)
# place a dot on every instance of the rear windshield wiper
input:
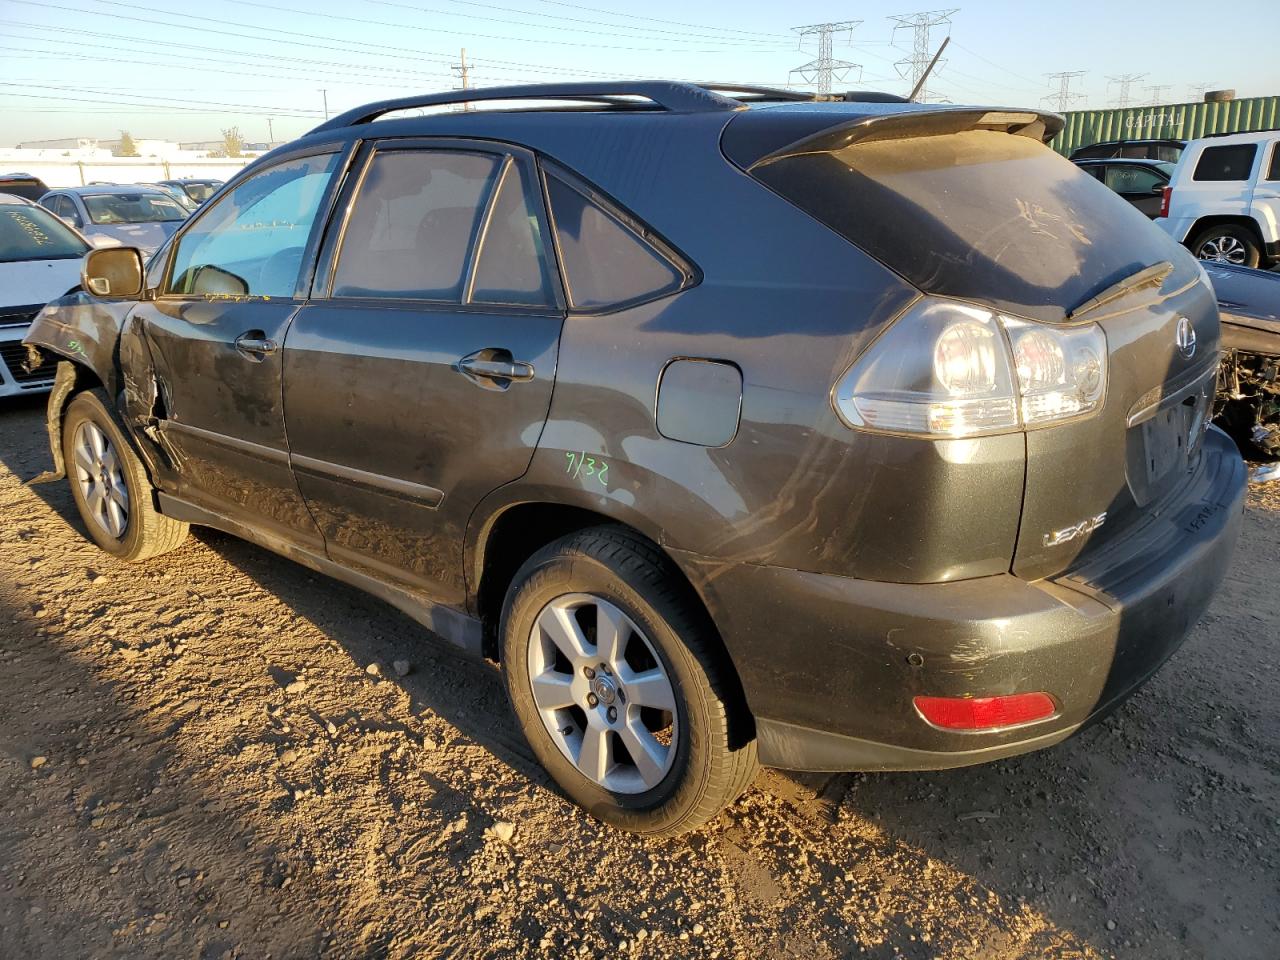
(1154, 274)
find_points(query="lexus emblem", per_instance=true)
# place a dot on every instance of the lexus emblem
(1185, 338)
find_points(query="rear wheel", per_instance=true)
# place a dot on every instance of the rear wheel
(110, 485)
(613, 676)
(1228, 243)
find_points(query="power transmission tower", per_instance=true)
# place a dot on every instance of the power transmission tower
(820, 70)
(1125, 82)
(1196, 90)
(1157, 92)
(1063, 99)
(921, 51)
(461, 72)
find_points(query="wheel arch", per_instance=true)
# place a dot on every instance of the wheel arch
(1220, 220)
(510, 536)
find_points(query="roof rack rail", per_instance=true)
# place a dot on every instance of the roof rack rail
(673, 96)
(757, 94)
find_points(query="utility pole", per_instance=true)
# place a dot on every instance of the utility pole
(461, 72)
(1196, 90)
(1125, 82)
(1157, 92)
(921, 62)
(271, 134)
(325, 94)
(820, 70)
(1064, 97)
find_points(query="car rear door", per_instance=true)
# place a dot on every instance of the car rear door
(418, 377)
(235, 279)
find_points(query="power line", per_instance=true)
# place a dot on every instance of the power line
(921, 51)
(1064, 97)
(634, 16)
(1125, 82)
(1157, 92)
(1196, 90)
(824, 66)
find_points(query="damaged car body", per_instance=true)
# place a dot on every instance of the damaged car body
(1248, 405)
(885, 447)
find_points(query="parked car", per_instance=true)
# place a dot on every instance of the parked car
(139, 216)
(1141, 182)
(828, 435)
(1168, 150)
(40, 259)
(22, 185)
(1223, 201)
(1248, 404)
(197, 190)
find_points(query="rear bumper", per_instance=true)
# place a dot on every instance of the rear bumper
(830, 665)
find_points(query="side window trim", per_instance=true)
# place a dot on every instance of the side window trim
(513, 158)
(345, 151)
(691, 276)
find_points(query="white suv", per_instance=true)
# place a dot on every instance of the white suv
(1223, 201)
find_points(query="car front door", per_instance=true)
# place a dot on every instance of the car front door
(235, 279)
(419, 376)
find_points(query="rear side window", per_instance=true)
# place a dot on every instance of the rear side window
(415, 219)
(606, 263)
(33, 233)
(512, 263)
(980, 215)
(1273, 172)
(1233, 162)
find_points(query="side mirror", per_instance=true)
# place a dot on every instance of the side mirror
(114, 272)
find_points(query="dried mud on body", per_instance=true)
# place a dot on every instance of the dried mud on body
(196, 761)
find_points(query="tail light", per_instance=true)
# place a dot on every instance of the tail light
(985, 713)
(1164, 202)
(947, 369)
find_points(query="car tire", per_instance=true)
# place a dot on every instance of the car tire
(110, 484)
(1228, 243)
(677, 768)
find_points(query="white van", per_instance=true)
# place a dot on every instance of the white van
(1223, 202)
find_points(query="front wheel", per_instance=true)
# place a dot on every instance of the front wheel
(1228, 244)
(110, 485)
(615, 679)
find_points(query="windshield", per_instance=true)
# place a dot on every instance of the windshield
(33, 233)
(199, 191)
(978, 215)
(109, 208)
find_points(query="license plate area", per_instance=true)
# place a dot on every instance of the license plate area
(1165, 445)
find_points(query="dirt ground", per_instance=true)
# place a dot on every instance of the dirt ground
(195, 762)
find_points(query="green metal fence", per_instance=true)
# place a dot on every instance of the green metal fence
(1186, 121)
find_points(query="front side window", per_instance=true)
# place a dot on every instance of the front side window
(1233, 162)
(110, 208)
(33, 233)
(1126, 178)
(252, 241)
(414, 223)
(605, 262)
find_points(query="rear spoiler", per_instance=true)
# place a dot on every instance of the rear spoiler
(755, 138)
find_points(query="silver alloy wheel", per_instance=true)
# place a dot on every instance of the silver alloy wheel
(1226, 249)
(97, 469)
(602, 693)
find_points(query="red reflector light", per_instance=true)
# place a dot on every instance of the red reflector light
(985, 713)
(1165, 197)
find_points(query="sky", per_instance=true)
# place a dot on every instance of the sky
(173, 70)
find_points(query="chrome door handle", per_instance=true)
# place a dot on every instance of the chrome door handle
(255, 345)
(494, 366)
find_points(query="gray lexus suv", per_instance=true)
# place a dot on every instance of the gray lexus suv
(739, 426)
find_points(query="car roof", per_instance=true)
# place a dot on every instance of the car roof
(1253, 136)
(1134, 161)
(99, 190)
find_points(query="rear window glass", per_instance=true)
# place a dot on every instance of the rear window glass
(26, 189)
(33, 233)
(414, 222)
(998, 218)
(605, 263)
(1233, 162)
